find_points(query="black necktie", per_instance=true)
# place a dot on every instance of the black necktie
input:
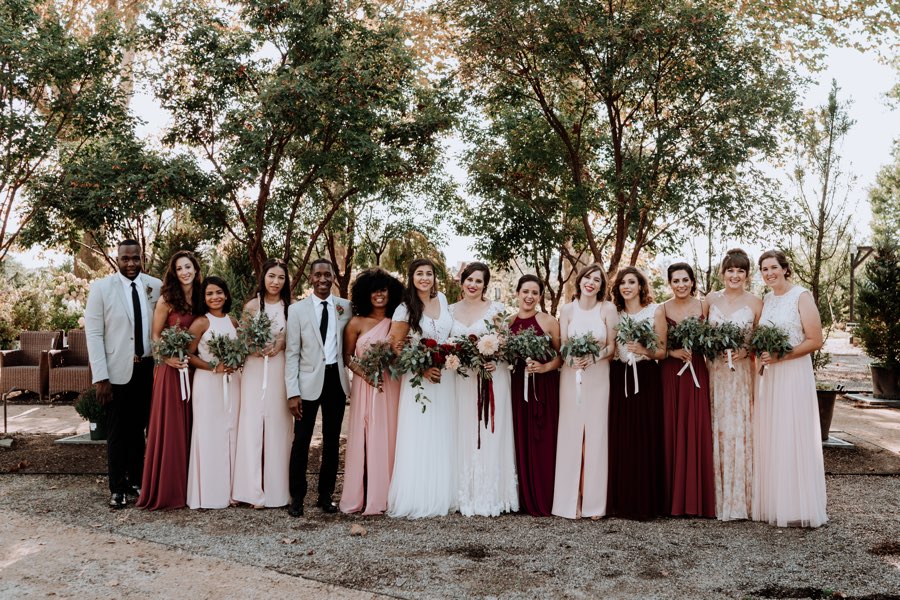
(323, 322)
(138, 322)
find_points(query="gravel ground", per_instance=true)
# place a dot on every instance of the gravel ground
(856, 554)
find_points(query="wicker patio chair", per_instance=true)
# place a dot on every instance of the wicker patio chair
(26, 368)
(70, 368)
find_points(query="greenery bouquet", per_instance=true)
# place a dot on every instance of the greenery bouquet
(640, 331)
(724, 339)
(476, 352)
(527, 345)
(579, 346)
(174, 341)
(257, 336)
(771, 339)
(375, 360)
(416, 357)
(230, 352)
(692, 333)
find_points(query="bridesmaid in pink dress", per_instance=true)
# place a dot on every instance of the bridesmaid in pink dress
(687, 422)
(372, 434)
(164, 484)
(732, 392)
(582, 451)
(214, 436)
(789, 471)
(265, 426)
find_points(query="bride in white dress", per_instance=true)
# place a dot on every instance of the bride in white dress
(424, 482)
(488, 484)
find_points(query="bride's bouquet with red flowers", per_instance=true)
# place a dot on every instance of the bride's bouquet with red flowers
(476, 352)
(416, 357)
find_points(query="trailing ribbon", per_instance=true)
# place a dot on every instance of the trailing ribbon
(226, 379)
(690, 365)
(265, 383)
(184, 384)
(730, 364)
(485, 405)
(632, 360)
(525, 373)
(578, 377)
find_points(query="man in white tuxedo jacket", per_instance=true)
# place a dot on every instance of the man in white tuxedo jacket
(117, 322)
(315, 376)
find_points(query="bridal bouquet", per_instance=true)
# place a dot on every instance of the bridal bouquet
(417, 356)
(475, 353)
(174, 341)
(579, 346)
(691, 333)
(377, 358)
(724, 339)
(640, 331)
(771, 339)
(256, 334)
(228, 351)
(528, 345)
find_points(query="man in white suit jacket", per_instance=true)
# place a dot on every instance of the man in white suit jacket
(117, 322)
(315, 376)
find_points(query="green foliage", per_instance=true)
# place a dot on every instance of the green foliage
(884, 197)
(59, 90)
(232, 263)
(173, 342)
(256, 330)
(634, 330)
(771, 339)
(725, 336)
(578, 346)
(89, 408)
(227, 350)
(879, 308)
(28, 310)
(376, 362)
(690, 334)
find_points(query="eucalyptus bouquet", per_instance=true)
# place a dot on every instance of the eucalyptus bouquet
(257, 335)
(375, 360)
(691, 333)
(725, 338)
(771, 339)
(228, 351)
(417, 356)
(174, 341)
(527, 345)
(640, 331)
(475, 352)
(579, 346)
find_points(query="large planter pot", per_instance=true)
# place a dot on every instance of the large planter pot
(885, 383)
(827, 399)
(98, 431)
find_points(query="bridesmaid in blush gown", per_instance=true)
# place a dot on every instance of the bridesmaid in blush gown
(164, 484)
(424, 482)
(636, 461)
(732, 393)
(536, 419)
(214, 436)
(789, 471)
(687, 422)
(372, 433)
(265, 425)
(487, 456)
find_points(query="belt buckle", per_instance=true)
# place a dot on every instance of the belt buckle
(137, 359)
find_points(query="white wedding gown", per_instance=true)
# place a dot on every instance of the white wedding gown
(424, 482)
(488, 484)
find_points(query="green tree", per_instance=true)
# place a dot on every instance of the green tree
(884, 198)
(820, 250)
(659, 113)
(286, 99)
(54, 88)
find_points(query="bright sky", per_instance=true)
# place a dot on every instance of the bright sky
(867, 147)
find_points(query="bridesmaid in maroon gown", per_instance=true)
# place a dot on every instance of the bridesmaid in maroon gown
(687, 418)
(535, 421)
(164, 484)
(636, 462)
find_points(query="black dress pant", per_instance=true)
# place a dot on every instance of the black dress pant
(127, 416)
(333, 400)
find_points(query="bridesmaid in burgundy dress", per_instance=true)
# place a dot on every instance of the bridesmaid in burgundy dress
(535, 421)
(636, 462)
(687, 419)
(164, 483)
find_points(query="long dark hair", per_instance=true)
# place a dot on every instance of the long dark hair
(171, 287)
(473, 267)
(683, 266)
(411, 295)
(645, 294)
(373, 280)
(221, 283)
(285, 293)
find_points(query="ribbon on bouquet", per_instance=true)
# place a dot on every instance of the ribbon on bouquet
(226, 379)
(690, 365)
(265, 383)
(485, 405)
(184, 384)
(730, 363)
(579, 375)
(528, 375)
(632, 360)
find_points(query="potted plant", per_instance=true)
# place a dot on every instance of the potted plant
(827, 394)
(879, 320)
(93, 412)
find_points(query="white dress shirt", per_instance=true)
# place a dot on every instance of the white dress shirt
(146, 317)
(330, 342)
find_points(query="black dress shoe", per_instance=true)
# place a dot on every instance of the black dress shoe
(133, 493)
(117, 501)
(295, 509)
(327, 506)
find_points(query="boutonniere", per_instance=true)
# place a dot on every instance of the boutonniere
(339, 309)
(149, 290)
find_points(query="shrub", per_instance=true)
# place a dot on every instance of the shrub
(89, 408)
(879, 308)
